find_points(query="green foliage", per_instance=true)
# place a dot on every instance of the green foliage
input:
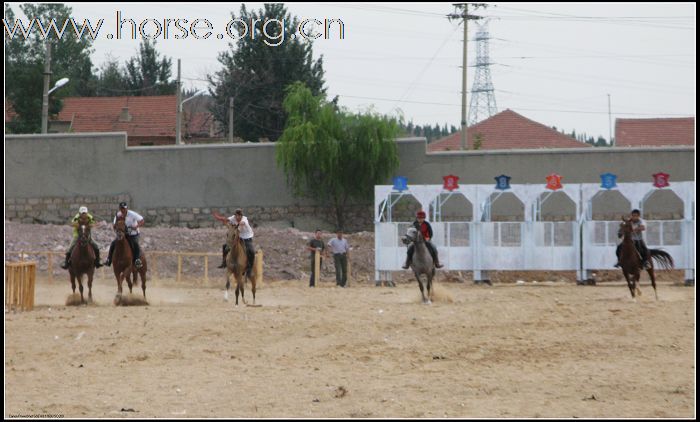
(478, 140)
(333, 156)
(148, 74)
(256, 75)
(24, 66)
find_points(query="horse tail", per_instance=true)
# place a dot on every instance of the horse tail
(663, 258)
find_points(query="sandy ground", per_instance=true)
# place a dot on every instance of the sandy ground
(546, 350)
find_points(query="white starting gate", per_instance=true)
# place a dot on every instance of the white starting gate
(580, 245)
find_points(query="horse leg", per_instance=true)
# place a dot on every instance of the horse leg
(238, 287)
(72, 281)
(252, 282)
(90, 275)
(127, 275)
(420, 284)
(80, 284)
(636, 284)
(430, 287)
(630, 283)
(228, 286)
(143, 283)
(120, 279)
(241, 282)
(653, 281)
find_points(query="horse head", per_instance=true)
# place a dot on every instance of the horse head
(83, 235)
(626, 226)
(121, 228)
(233, 235)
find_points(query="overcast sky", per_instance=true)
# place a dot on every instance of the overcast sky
(555, 63)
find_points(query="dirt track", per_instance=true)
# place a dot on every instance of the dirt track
(546, 350)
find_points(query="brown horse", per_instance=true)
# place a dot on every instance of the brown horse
(236, 264)
(82, 259)
(122, 263)
(631, 261)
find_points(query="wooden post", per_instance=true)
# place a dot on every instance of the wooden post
(179, 267)
(206, 269)
(317, 268)
(259, 268)
(20, 278)
(50, 265)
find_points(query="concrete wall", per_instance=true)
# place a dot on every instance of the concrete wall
(180, 185)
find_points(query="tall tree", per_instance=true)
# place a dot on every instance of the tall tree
(333, 156)
(111, 80)
(24, 64)
(149, 74)
(256, 73)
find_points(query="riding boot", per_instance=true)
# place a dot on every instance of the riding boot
(224, 252)
(108, 262)
(407, 264)
(66, 263)
(98, 264)
(434, 255)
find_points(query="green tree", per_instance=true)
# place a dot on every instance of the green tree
(111, 81)
(24, 64)
(333, 156)
(149, 74)
(478, 140)
(256, 73)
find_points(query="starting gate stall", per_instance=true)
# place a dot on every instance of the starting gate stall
(579, 244)
(479, 245)
(677, 237)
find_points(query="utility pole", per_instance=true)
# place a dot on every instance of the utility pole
(612, 142)
(465, 16)
(47, 82)
(178, 124)
(230, 120)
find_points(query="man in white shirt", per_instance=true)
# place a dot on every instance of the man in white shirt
(340, 249)
(133, 221)
(246, 233)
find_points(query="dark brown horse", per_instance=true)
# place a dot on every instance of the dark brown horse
(631, 261)
(236, 264)
(82, 259)
(122, 263)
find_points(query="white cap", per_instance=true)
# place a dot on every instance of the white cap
(83, 210)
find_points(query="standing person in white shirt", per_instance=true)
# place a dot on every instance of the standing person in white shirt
(133, 221)
(246, 233)
(340, 250)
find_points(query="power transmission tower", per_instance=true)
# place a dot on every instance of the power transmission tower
(465, 16)
(483, 102)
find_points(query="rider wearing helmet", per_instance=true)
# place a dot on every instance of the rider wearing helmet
(133, 221)
(637, 228)
(83, 211)
(427, 230)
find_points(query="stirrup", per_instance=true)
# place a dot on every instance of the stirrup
(107, 263)
(438, 265)
(65, 265)
(97, 263)
(138, 264)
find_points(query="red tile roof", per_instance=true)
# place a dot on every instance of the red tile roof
(508, 130)
(150, 116)
(654, 132)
